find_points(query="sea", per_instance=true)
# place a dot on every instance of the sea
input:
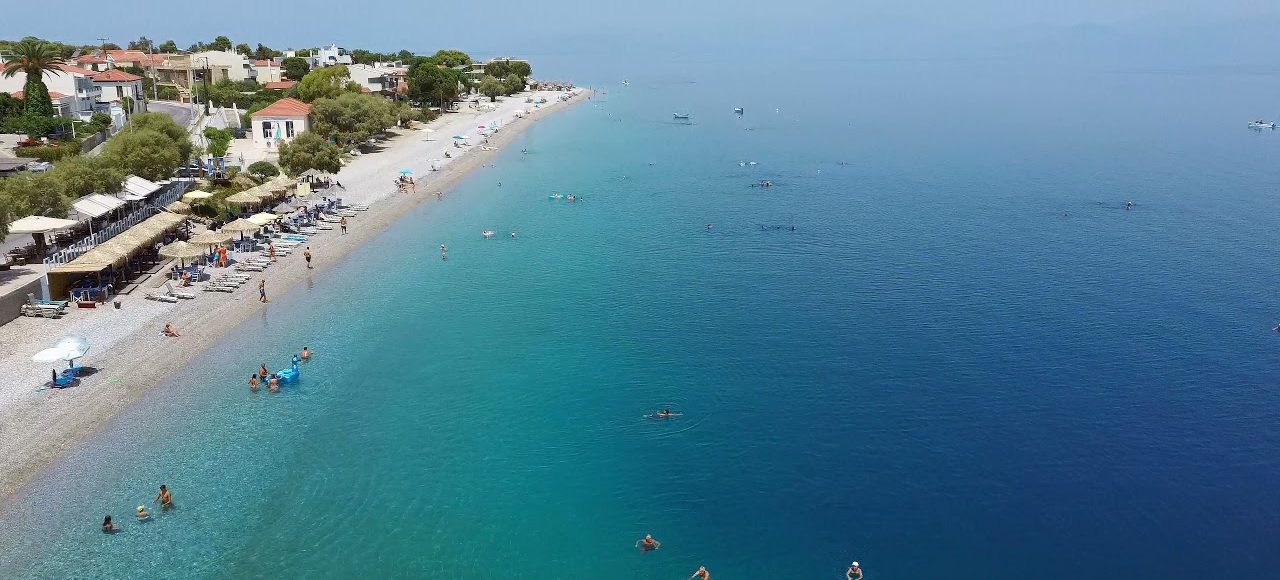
(941, 344)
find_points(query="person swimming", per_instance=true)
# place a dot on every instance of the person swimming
(263, 372)
(648, 544)
(306, 354)
(854, 572)
(1128, 205)
(273, 384)
(108, 527)
(142, 514)
(701, 574)
(443, 248)
(253, 382)
(165, 498)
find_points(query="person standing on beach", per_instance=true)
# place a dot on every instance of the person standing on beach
(262, 291)
(343, 224)
(307, 254)
(271, 251)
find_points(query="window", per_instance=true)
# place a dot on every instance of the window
(266, 129)
(288, 129)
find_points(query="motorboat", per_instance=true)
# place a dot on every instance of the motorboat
(681, 116)
(738, 110)
(488, 233)
(1260, 124)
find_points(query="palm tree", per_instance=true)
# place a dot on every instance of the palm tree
(34, 57)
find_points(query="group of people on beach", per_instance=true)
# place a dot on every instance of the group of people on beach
(164, 498)
(273, 379)
(406, 184)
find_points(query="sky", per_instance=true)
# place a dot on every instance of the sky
(682, 28)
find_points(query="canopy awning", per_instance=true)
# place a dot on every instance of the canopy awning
(131, 196)
(246, 196)
(117, 249)
(97, 205)
(138, 186)
(263, 219)
(38, 224)
(241, 225)
(191, 196)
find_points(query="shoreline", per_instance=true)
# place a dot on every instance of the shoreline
(37, 431)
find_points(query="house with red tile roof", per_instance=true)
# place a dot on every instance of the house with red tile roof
(280, 122)
(280, 85)
(121, 87)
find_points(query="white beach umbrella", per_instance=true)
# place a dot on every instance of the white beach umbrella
(69, 349)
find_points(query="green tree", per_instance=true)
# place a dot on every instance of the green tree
(264, 52)
(351, 118)
(108, 46)
(220, 43)
(325, 83)
(451, 58)
(264, 169)
(9, 107)
(498, 68)
(310, 151)
(33, 194)
(142, 43)
(219, 140)
(492, 87)
(168, 46)
(521, 68)
(79, 176)
(165, 125)
(513, 83)
(244, 49)
(146, 153)
(429, 83)
(33, 58)
(295, 68)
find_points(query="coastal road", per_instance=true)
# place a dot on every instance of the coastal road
(182, 113)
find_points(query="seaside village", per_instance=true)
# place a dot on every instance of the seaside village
(141, 182)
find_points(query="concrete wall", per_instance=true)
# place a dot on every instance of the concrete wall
(11, 303)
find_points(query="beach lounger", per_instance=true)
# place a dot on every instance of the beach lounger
(249, 268)
(176, 294)
(228, 281)
(159, 297)
(215, 288)
(45, 306)
(28, 310)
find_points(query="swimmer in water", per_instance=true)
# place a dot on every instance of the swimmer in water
(108, 527)
(306, 354)
(708, 226)
(443, 248)
(1128, 205)
(142, 514)
(701, 574)
(165, 498)
(854, 572)
(263, 372)
(273, 384)
(648, 544)
(253, 382)
(665, 413)
(513, 235)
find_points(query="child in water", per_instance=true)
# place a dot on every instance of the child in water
(142, 514)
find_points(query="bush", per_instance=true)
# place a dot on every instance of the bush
(167, 93)
(263, 169)
(100, 120)
(310, 151)
(52, 152)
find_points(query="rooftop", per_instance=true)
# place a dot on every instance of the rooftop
(115, 76)
(75, 70)
(279, 85)
(53, 95)
(288, 107)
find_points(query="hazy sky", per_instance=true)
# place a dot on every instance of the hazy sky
(848, 27)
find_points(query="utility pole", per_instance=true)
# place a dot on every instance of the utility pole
(206, 85)
(102, 43)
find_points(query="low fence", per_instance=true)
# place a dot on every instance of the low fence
(154, 205)
(94, 140)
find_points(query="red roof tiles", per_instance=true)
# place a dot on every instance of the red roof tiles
(279, 85)
(289, 107)
(115, 76)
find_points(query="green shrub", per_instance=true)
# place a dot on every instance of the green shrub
(49, 152)
(263, 169)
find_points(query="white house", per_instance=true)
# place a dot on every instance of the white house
(222, 64)
(329, 56)
(116, 86)
(80, 95)
(280, 122)
(377, 77)
(266, 71)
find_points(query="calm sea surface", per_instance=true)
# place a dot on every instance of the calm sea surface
(967, 360)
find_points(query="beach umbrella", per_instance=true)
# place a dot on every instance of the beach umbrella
(262, 218)
(406, 172)
(459, 136)
(196, 195)
(178, 207)
(283, 208)
(245, 196)
(241, 226)
(69, 349)
(181, 251)
(209, 238)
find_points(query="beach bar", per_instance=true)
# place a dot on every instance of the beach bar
(111, 255)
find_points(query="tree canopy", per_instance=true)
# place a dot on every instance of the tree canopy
(310, 151)
(142, 43)
(326, 83)
(33, 58)
(244, 49)
(220, 43)
(295, 68)
(168, 46)
(451, 58)
(351, 118)
(429, 83)
(491, 87)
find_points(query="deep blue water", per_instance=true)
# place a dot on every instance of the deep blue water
(967, 360)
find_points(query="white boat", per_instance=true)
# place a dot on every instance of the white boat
(681, 116)
(487, 233)
(1260, 124)
(738, 111)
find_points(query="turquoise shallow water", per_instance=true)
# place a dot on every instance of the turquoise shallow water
(967, 356)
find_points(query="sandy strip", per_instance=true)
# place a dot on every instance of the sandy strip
(39, 426)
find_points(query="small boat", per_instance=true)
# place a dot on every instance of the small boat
(626, 83)
(738, 110)
(681, 116)
(487, 233)
(555, 196)
(1260, 124)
